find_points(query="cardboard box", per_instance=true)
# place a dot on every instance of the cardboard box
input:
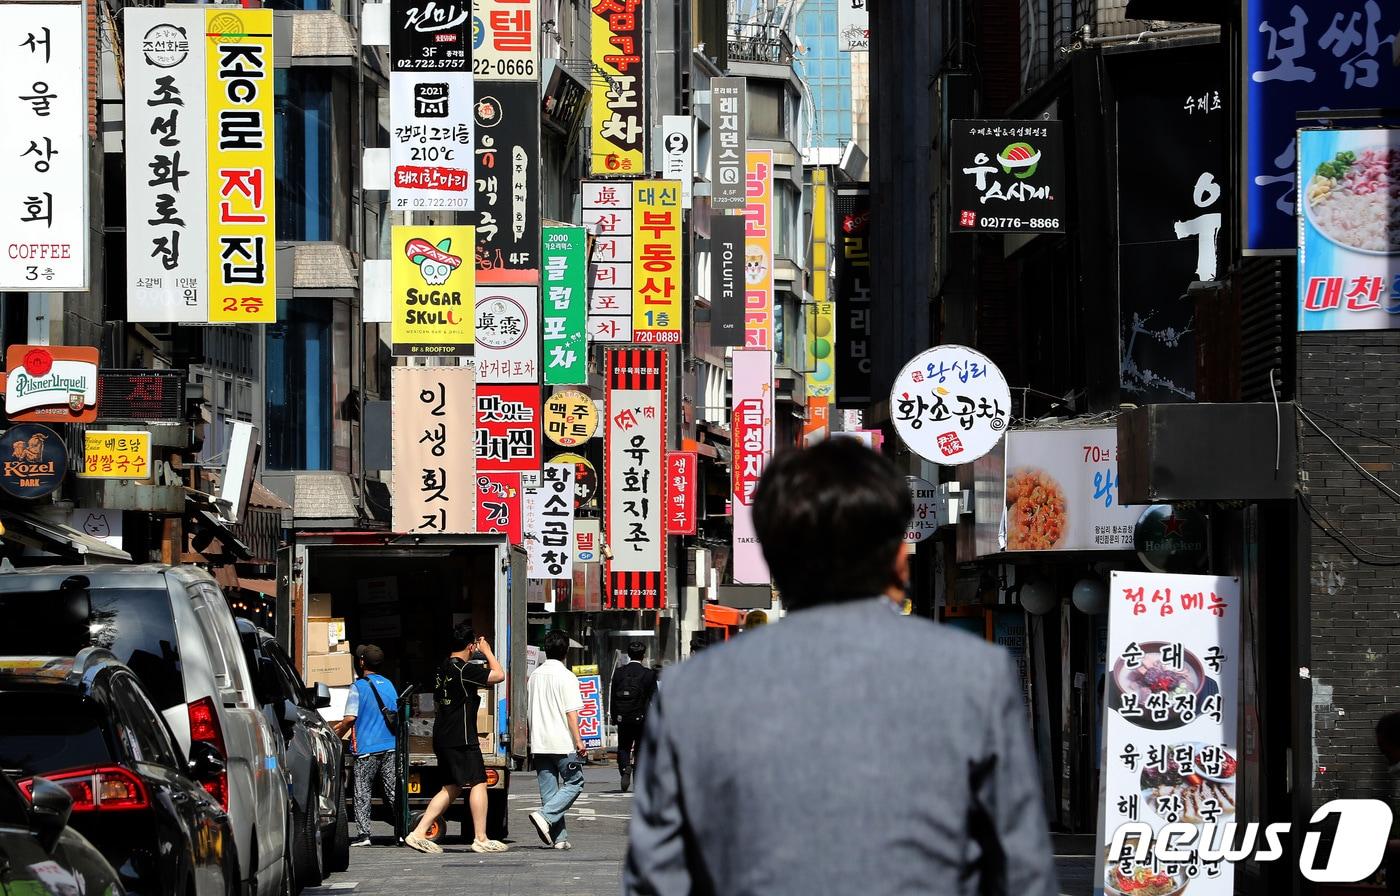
(486, 729)
(319, 605)
(335, 669)
(326, 636)
(418, 743)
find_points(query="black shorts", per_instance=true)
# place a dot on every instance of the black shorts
(461, 765)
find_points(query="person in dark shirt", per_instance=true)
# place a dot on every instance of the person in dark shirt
(632, 686)
(469, 667)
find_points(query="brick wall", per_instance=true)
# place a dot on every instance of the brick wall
(1353, 378)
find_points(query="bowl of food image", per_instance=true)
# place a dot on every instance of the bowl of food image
(1194, 792)
(1353, 200)
(1141, 879)
(1152, 676)
(1037, 514)
(1228, 766)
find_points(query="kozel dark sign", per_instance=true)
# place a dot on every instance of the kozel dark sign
(33, 460)
(1007, 176)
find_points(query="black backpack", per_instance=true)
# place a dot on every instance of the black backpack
(632, 688)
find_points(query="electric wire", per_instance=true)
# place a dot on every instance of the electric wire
(1353, 461)
(1351, 547)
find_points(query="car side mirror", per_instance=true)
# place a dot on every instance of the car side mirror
(206, 764)
(321, 696)
(50, 807)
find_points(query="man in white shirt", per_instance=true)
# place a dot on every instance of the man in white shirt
(555, 741)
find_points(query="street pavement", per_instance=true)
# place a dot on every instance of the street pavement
(597, 827)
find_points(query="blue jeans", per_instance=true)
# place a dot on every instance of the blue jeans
(561, 781)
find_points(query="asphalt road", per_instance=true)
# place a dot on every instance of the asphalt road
(597, 828)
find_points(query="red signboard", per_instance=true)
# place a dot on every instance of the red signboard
(680, 492)
(507, 429)
(498, 505)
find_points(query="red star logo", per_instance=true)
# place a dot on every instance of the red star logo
(1171, 525)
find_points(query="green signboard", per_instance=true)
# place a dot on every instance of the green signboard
(565, 305)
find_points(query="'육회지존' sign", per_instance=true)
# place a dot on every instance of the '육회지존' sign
(950, 405)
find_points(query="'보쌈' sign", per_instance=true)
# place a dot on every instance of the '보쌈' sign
(950, 405)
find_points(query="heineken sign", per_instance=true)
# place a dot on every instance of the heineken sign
(1172, 539)
(51, 384)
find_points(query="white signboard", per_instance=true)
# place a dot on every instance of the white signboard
(549, 518)
(853, 26)
(100, 523)
(430, 141)
(1171, 722)
(43, 148)
(635, 446)
(507, 334)
(678, 153)
(607, 215)
(167, 217)
(950, 405)
(1062, 492)
(505, 40)
(925, 520)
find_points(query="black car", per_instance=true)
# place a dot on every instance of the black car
(86, 725)
(311, 751)
(40, 853)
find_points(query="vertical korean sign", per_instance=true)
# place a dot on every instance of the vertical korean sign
(620, 107)
(821, 331)
(752, 446)
(434, 470)
(1172, 705)
(607, 214)
(507, 182)
(240, 168)
(433, 294)
(43, 196)
(565, 297)
(758, 251)
(506, 40)
(430, 105)
(167, 230)
(549, 544)
(853, 322)
(729, 150)
(656, 262)
(681, 470)
(499, 507)
(635, 448)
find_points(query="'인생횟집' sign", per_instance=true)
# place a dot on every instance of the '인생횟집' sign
(507, 339)
(1348, 230)
(549, 536)
(1008, 176)
(51, 384)
(635, 478)
(433, 290)
(114, 454)
(758, 251)
(950, 405)
(565, 305)
(620, 88)
(43, 196)
(434, 488)
(608, 215)
(656, 262)
(752, 440)
(1062, 491)
(1172, 708)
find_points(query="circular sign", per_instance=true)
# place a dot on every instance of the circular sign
(34, 462)
(165, 46)
(950, 405)
(500, 322)
(488, 111)
(925, 520)
(585, 477)
(570, 418)
(1171, 539)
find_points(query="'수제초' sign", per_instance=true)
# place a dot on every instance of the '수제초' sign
(950, 405)
(1008, 176)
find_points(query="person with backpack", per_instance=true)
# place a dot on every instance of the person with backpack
(375, 726)
(632, 686)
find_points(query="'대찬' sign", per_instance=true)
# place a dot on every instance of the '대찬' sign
(950, 405)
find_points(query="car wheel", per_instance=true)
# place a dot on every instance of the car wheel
(435, 833)
(306, 849)
(337, 848)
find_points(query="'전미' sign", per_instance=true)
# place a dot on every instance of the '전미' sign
(950, 405)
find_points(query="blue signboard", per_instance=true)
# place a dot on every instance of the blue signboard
(1304, 55)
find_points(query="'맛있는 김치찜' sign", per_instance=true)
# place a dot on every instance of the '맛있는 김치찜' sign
(950, 405)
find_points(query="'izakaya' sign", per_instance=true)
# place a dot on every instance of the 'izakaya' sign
(1008, 176)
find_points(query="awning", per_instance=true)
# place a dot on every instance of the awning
(56, 538)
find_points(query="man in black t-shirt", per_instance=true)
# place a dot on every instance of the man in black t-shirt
(632, 686)
(469, 667)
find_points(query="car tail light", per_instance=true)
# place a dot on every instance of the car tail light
(204, 728)
(109, 788)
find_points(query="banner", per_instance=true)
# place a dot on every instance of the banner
(1062, 492)
(678, 146)
(656, 263)
(434, 487)
(727, 280)
(619, 79)
(1172, 710)
(241, 167)
(1008, 176)
(507, 335)
(758, 251)
(508, 429)
(853, 26)
(635, 446)
(506, 45)
(752, 441)
(430, 105)
(821, 329)
(607, 214)
(1349, 232)
(167, 208)
(1304, 55)
(433, 291)
(499, 507)
(853, 323)
(682, 467)
(565, 315)
(44, 194)
(116, 454)
(591, 718)
(549, 543)
(507, 182)
(729, 143)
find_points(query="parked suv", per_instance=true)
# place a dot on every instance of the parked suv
(172, 627)
(311, 753)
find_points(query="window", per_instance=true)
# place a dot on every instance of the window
(144, 730)
(49, 731)
(299, 405)
(304, 153)
(765, 100)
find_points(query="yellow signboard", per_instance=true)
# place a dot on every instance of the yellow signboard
(113, 454)
(434, 290)
(241, 175)
(656, 262)
(620, 90)
(758, 251)
(585, 670)
(821, 357)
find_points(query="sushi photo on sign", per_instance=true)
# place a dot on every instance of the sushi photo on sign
(1008, 176)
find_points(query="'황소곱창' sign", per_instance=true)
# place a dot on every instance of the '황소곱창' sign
(950, 405)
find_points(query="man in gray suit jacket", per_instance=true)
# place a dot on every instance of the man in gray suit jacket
(847, 749)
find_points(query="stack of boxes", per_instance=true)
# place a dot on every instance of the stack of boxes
(328, 657)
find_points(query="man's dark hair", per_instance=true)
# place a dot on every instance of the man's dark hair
(831, 519)
(370, 656)
(636, 650)
(555, 644)
(1388, 729)
(463, 636)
